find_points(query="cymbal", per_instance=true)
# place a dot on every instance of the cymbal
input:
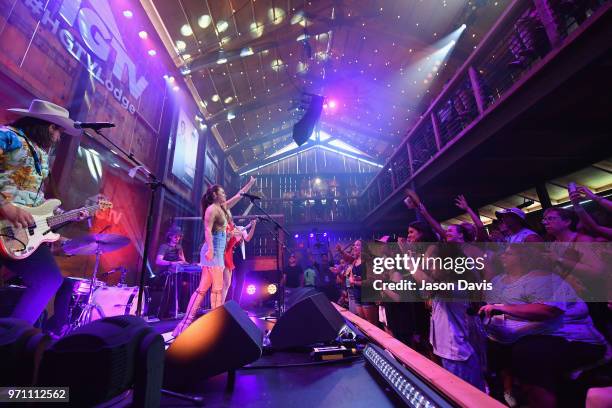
(91, 244)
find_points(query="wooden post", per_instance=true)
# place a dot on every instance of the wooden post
(436, 131)
(476, 89)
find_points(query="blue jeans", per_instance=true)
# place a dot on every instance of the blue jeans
(41, 276)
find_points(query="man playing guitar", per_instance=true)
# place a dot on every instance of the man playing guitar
(24, 166)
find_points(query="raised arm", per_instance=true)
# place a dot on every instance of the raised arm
(585, 217)
(435, 225)
(232, 201)
(481, 232)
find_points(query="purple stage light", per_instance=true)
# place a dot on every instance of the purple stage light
(128, 14)
(152, 53)
(311, 235)
(332, 104)
(325, 234)
(296, 236)
(251, 289)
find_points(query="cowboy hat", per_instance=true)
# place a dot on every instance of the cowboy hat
(49, 112)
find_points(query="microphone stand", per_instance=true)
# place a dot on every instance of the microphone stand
(154, 184)
(279, 251)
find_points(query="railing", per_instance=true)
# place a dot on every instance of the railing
(317, 209)
(524, 34)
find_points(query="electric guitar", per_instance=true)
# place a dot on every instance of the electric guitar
(19, 243)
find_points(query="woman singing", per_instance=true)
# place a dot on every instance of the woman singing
(215, 209)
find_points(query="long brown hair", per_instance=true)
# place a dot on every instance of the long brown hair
(37, 130)
(208, 199)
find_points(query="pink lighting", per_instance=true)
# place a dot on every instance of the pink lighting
(332, 104)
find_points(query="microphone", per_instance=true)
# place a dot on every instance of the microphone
(250, 196)
(93, 125)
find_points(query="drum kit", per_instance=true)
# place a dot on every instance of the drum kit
(93, 297)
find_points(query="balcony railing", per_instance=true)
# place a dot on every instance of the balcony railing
(525, 34)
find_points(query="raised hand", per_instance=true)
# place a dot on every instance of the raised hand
(461, 202)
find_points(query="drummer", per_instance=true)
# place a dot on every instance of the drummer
(170, 254)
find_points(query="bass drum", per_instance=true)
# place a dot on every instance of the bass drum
(117, 301)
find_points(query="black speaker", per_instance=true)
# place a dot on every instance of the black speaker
(222, 340)
(298, 294)
(312, 320)
(303, 129)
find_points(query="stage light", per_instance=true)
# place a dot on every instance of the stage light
(311, 235)
(256, 29)
(296, 236)
(171, 79)
(152, 53)
(271, 289)
(215, 98)
(222, 25)
(204, 21)
(276, 15)
(143, 34)
(245, 52)
(186, 30)
(221, 61)
(128, 14)
(231, 116)
(251, 289)
(317, 181)
(229, 99)
(325, 234)
(332, 104)
(181, 45)
(325, 106)
(175, 88)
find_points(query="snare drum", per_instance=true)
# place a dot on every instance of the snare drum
(117, 301)
(81, 286)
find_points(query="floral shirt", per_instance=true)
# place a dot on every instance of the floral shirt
(20, 182)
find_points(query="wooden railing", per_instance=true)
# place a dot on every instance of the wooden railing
(451, 386)
(517, 46)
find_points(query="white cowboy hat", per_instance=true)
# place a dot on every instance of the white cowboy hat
(49, 112)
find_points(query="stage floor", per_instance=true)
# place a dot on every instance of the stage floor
(289, 379)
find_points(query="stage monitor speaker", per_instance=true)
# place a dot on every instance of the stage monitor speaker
(312, 320)
(222, 340)
(303, 129)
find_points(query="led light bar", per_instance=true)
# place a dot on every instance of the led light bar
(412, 390)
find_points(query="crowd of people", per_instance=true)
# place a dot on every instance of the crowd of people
(524, 340)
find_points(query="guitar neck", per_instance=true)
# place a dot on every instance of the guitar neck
(71, 215)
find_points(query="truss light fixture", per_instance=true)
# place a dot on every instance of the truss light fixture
(231, 116)
(143, 34)
(215, 98)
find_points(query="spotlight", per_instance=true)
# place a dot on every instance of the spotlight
(271, 289)
(152, 53)
(296, 236)
(143, 35)
(311, 235)
(317, 181)
(325, 234)
(251, 290)
(175, 88)
(128, 14)
(332, 104)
